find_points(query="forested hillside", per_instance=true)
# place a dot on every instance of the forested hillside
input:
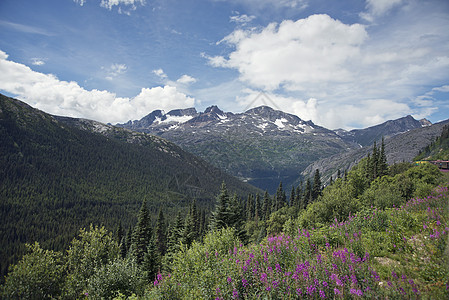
(59, 174)
(377, 231)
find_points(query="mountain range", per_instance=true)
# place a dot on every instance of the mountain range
(262, 146)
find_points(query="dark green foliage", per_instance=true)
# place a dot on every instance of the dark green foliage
(142, 234)
(160, 232)
(266, 208)
(307, 196)
(280, 200)
(316, 188)
(221, 214)
(151, 262)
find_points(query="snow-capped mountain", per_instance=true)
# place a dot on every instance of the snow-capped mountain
(262, 145)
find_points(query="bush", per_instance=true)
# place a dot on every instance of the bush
(38, 275)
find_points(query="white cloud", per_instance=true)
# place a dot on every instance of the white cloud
(294, 54)
(48, 93)
(115, 70)
(341, 64)
(186, 79)
(80, 2)
(277, 4)
(376, 8)
(37, 61)
(241, 19)
(160, 73)
(111, 3)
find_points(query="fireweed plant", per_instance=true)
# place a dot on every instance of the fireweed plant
(393, 253)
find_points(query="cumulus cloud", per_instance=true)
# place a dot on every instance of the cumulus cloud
(294, 54)
(48, 93)
(186, 79)
(339, 64)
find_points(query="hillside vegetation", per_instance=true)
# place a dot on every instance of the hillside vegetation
(60, 174)
(376, 232)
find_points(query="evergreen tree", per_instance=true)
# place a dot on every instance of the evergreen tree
(119, 232)
(142, 234)
(374, 162)
(307, 196)
(250, 207)
(151, 261)
(160, 233)
(266, 208)
(257, 208)
(280, 199)
(299, 196)
(221, 214)
(190, 231)
(292, 202)
(382, 163)
(316, 189)
(176, 234)
(236, 218)
(123, 247)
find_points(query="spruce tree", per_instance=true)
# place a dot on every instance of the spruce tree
(266, 208)
(307, 196)
(316, 189)
(257, 208)
(160, 232)
(382, 163)
(279, 199)
(142, 234)
(292, 200)
(151, 262)
(250, 208)
(221, 214)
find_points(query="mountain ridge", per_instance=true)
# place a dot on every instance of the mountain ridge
(263, 145)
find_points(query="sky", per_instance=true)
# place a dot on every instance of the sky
(342, 64)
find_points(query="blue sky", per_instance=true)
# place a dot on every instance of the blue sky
(342, 64)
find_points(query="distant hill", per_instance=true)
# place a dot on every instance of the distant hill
(59, 174)
(367, 136)
(400, 147)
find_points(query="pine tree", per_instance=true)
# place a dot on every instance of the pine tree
(119, 232)
(160, 233)
(142, 234)
(316, 189)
